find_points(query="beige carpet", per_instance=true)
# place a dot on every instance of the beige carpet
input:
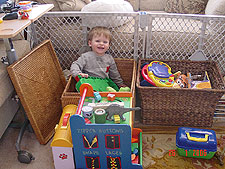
(8, 153)
(156, 154)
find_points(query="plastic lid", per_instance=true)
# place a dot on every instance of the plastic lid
(198, 139)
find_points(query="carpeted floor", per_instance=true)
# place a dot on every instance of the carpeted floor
(8, 153)
(155, 153)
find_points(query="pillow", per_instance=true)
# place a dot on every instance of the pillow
(135, 4)
(107, 6)
(215, 7)
(72, 5)
(186, 6)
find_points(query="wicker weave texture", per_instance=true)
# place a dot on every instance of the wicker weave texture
(183, 107)
(39, 83)
(127, 70)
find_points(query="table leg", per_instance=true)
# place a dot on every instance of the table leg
(10, 51)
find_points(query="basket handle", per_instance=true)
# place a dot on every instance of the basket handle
(197, 139)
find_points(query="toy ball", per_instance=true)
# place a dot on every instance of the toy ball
(160, 74)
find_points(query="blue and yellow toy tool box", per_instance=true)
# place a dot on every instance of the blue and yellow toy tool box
(197, 143)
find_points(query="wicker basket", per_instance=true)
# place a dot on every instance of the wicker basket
(183, 107)
(127, 70)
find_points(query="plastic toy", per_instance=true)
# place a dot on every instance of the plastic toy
(111, 97)
(100, 144)
(110, 89)
(98, 84)
(147, 81)
(159, 74)
(100, 116)
(112, 145)
(115, 109)
(97, 96)
(124, 89)
(104, 105)
(87, 112)
(197, 143)
(181, 81)
(204, 84)
(62, 146)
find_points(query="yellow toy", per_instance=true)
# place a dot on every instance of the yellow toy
(160, 74)
(62, 146)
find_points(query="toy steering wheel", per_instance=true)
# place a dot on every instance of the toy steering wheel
(160, 74)
(144, 73)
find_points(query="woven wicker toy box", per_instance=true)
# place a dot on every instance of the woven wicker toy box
(127, 70)
(182, 107)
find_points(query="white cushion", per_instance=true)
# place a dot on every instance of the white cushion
(107, 6)
(71, 5)
(215, 7)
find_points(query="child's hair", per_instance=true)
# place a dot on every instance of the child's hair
(100, 30)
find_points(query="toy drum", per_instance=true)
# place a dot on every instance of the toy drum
(197, 143)
(87, 112)
(100, 116)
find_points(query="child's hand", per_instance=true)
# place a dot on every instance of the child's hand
(83, 75)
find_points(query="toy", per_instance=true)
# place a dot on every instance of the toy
(110, 89)
(111, 97)
(23, 15)
(100, 116)
(160, 74)
(181, 81)
(204, 84)
(197, 143)
(87, 112)
(104, 105)
(124, 89)
(114, 109)
(98, 143)
(62, 146)
(105, 146)
(98, 84)
(147, 81)
(157, 74)
(97, 96)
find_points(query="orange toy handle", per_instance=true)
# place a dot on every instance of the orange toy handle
(85, 90)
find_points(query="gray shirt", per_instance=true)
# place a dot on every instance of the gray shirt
(96, 66)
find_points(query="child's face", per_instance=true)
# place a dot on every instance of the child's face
(99, 44)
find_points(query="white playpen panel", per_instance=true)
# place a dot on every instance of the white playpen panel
(178, 37)
(68, 33)
(135, 35)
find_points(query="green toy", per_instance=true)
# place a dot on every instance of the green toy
(124, 89)
(98, 84)
(110, 89)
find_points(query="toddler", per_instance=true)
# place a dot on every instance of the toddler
(97, 63)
